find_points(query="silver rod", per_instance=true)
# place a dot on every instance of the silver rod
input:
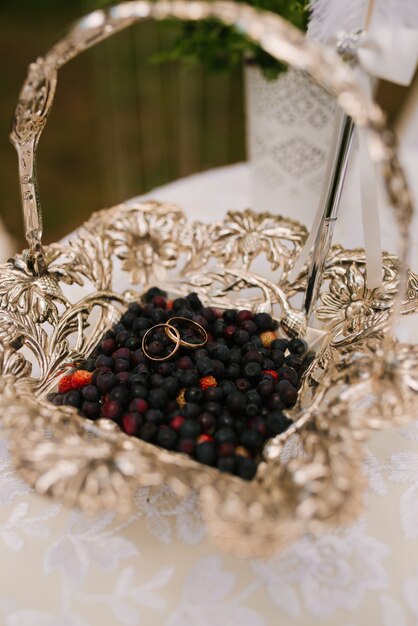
(330, 198)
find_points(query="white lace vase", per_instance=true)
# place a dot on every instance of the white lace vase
(289, 127)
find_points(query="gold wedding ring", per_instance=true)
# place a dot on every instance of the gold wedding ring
(191, 324)
(174, 333)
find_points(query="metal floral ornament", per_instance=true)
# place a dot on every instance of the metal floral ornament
(57, 301)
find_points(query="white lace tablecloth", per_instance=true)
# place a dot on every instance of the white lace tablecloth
(58, 568)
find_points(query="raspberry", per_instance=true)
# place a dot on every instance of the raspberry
(81, 378)
(65, 384)
(207, 381)
(272, 373)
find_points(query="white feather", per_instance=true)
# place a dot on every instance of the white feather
(329, 17)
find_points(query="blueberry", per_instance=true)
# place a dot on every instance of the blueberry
(250, 327)
(191, 410)
(154, 416)
(275, 401)
(226, 434)
(206, 421)
(242, 384)
(218, 369)
(241, 337)
(204, 366)
(206, 452)
(108, 346)
(246, 468)
(213, 407)
(141, 324)
(236, 402)
(194, 301)
(251, 439)
(158, 316)
(122, 338)
(264, 321)
(128, 319)
(294, 361)
(288, 373)
(157, 398)
(91, 409)
(230, 316)
(171, 386)
(227, 464)
(253, 355)
(91, 393)
(253, 397)
(189, 378)
(276, 423)
(251, 409)
(209, 314)
(221, 353)
(235, 356)
(252, 371)
(265, 388)
(58, 399)
(279, 344)
(213, 394)
(139, 391)
(106, 380)
(218, 328)
(73, 398)
(121, 365)
(190, 429)
(152, 292)
(287, 392)
(232, 371)
(167, 437)
(227, 387)
(225, 420)
(120, 394)
(277, 356)
(156, 380)
(135, 308)
(105, 361)
(193, 394)
(298, 346)
(148, 432)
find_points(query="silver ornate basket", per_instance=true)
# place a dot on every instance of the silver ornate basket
(56, 301)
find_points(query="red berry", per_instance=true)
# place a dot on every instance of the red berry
(131, 423)
(139, 405)
(159, 302)
(204, 438)
(111, 410)
(65, 384)
(81, 378)
(244, 316)
(230, 331)
(177, 422)
(271, 373)
(207, 381)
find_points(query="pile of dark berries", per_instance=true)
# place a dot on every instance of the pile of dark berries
(218, 404)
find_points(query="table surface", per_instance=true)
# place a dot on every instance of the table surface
(58, 568)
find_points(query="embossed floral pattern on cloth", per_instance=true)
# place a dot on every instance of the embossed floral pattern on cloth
(156, 567)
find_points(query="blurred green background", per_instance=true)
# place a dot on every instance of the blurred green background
(120, 125)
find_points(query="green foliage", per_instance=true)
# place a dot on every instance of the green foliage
(220, 48)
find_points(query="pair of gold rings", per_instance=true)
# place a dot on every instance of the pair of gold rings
(174, 335)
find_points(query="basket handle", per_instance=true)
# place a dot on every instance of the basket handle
(274, 34)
